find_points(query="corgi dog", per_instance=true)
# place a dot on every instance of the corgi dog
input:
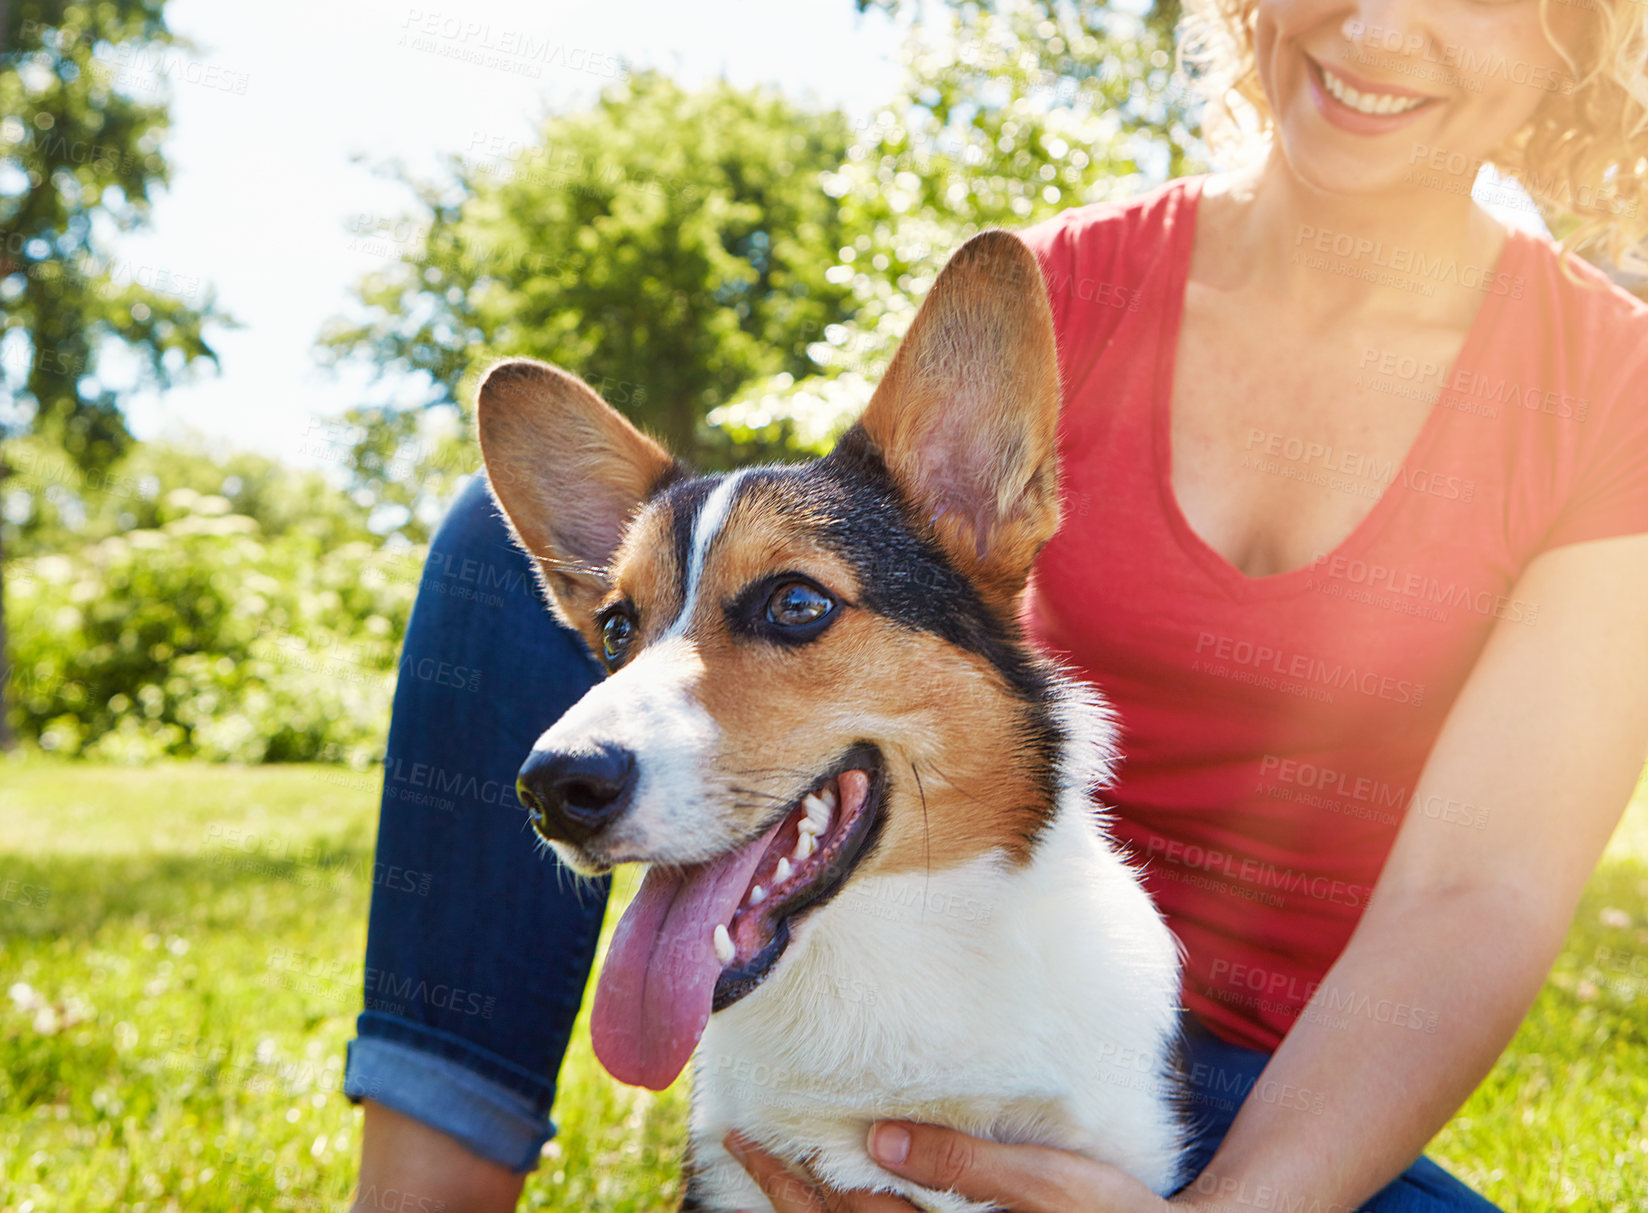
(878, 885)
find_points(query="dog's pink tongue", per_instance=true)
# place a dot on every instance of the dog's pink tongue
(656, 987)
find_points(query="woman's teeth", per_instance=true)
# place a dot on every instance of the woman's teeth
(1369, 103)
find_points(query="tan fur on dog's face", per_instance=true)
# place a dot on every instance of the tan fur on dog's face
(920, 527)
(961, 759)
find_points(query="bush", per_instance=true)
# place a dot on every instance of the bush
(204, 637)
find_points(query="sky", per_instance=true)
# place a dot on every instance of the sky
(283, 117)
(279, 116)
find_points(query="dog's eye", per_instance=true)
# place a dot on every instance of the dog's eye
(617, 630)
(796, 604)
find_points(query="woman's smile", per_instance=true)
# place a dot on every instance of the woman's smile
(1363, 107)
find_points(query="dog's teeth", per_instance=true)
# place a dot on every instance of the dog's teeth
(818, 817)
(757, 895)
(782, 872)
(805, 845)
(828, 797)
(724, 951)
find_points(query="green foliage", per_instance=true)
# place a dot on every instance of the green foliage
(623, 246)
(668, 245)
(1009, 113)
(204, 634)
(78, 157)
(182, 950)
(59, 507)
(1110, 58)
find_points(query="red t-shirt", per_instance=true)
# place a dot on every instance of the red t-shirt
(1274, 728)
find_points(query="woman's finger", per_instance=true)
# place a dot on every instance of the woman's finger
(792, 1193)
(787, 1191)
(1025, 1179)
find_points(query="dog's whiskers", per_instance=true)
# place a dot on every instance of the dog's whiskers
(926, 841)
(961, 788)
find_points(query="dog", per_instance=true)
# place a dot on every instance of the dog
(879, 884)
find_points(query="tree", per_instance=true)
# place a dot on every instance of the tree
(79, 157)
(669, 246)
(1009, 112)
(1099, 57)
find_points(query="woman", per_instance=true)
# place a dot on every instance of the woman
(1356, 539)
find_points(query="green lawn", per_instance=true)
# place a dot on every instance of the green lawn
(180, 965)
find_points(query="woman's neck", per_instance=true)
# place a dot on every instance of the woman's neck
(1336, 257)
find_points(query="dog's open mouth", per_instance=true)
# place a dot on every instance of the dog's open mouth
(697, 939)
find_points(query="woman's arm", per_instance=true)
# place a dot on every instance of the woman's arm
(1547, 740)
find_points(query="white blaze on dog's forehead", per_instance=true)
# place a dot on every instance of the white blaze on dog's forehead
(654, 686)
(704, 530)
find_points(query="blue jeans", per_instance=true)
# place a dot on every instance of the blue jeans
(479, 946)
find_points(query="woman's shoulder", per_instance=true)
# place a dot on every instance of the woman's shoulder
(1100, 256)
(1573, 355)
(1579, 297)
(1583, 329)
(1100, 228)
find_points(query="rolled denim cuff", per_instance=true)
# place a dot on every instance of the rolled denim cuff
(475, 1100)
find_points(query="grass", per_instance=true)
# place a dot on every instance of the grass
(180, 951)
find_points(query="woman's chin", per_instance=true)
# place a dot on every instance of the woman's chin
(1341, 173)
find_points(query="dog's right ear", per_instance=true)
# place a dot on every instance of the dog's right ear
(569, 471)
(965, 418)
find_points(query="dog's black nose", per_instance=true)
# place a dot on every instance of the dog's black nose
(573, 795)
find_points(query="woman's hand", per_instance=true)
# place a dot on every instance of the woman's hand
(1023, 1179)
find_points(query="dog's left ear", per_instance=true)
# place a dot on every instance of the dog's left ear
(967, 415)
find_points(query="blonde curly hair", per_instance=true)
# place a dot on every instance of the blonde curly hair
(1583, 157)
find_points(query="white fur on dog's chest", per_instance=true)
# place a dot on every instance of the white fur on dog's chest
(1035, 1004)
